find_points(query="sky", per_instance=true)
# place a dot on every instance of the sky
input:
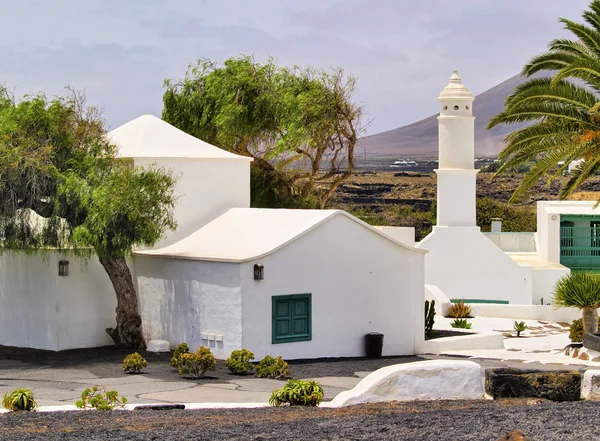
(401, 51)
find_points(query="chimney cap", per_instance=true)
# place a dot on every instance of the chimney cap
(456, 89)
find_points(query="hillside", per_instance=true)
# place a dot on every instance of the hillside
(420, 139)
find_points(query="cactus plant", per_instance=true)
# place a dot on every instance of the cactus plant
(429, 318)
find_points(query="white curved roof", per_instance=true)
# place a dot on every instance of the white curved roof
(151, 137)
(243, 234)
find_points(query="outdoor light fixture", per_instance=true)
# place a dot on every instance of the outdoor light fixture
(554, 217)
(259, 271)
(63, 268)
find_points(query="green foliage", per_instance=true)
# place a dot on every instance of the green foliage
(19, 399)
(298, 393)
(270, 367)
(514, 218)
(195, 364)
(576, 331)
(429, 318)
(460, 323)
(557, 114)
(100, 399)
(459, 310)
(239, 362)
(182, 348)
(134, 363)
(300, 125)
(519, 327)
(578, 290)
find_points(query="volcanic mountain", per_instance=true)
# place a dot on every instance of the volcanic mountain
(420, 139)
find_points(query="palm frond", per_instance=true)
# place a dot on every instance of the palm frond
(554, 60)
(578, 176)
(589, 37)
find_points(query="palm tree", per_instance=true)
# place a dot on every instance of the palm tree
(561, 110)
(580, 290)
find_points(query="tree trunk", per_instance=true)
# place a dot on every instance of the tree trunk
(590, 320)
(128, 332)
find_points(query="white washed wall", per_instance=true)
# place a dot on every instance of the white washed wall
(465, 264)
(40, 309)
(181, 299)
(360, 282)
(206, 188)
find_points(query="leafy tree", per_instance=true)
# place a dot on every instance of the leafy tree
(61, 186)
(561, 110)
(300, 125)
(580, 290)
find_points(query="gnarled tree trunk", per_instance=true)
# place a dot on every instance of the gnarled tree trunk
(128, 332)
(590, 320)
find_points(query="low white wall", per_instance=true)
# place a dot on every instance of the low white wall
(544, 281)
(525, 312)
(180, 300)
(360, 282)
(405, 235)
(464, 264)
(513, 242)
(42, 310)
(492, 340)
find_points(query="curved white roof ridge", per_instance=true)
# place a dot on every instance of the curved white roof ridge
(150, 137)
(244, 234)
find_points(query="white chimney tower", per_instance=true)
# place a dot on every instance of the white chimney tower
(456, 175)
(461, 262)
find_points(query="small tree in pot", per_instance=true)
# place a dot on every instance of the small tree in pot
(581, 290)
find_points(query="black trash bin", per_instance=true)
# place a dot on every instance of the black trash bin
(374, 344)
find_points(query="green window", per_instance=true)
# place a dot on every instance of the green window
(291, 318)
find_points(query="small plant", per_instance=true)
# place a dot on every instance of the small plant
(134, 363)
(100, 399)
(270, 367)
(459, 310)
(195, 364)
(519, 327)
(460, 323)
(182, 348)
(19, 399)
(298, 393)
(239, 362)
(429, 318)
(576, 331)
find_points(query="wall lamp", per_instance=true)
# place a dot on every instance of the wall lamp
(259, 271)
(63, 268)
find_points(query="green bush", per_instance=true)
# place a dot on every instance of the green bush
(298, 393)
(195, 364)
(515, 218)
(459, 310)
(270, 367)
(182, 348)
(576, 331)
(460, 323)
(134, 363)
(19, 399)
(239, 362)
(100, 399)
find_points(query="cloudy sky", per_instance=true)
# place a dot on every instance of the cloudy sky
(402, 51)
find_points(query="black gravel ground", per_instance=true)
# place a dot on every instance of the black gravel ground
(434, 420)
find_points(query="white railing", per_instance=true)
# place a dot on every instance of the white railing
(514, 242)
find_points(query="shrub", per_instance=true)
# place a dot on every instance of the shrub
(195, 364)
(580, 290)
(459, 310)
(182, 348)
(134, 363)
(519, 327)
(270, 367)
(576, 331)
(429, 318)
(100, 399)
(460, 323)
(298, 393)
(239, 362)
(19, 399)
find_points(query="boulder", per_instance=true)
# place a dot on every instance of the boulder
(592, 341)
(158, 346)
(421, 380)
(590, 385)
(515, 383)
(514, 435)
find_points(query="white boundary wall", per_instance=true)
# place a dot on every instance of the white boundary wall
(42, 310)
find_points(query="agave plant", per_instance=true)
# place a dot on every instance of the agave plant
(558, 113)
(580, 290)
(19, 399)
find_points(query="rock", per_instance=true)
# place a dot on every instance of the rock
(158, 346)
(514, 435)
(568, 351)
(551, 385)
(592, 341)
(575, 353)
(590, 385)
(584, 356)
(421, 380)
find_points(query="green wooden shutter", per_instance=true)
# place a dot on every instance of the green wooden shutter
(291, 318)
